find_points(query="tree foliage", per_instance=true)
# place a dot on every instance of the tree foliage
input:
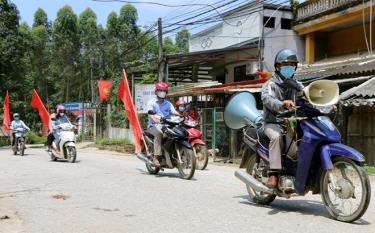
(63, 58)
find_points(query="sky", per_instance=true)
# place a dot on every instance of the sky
(148, 14)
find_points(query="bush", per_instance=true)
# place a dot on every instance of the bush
(4, 141)
(113, 141)
(32, 138)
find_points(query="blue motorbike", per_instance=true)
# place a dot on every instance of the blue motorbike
(313, 158)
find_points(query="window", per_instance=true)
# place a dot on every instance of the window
(286, 24)
(269, 22)
(240, 73)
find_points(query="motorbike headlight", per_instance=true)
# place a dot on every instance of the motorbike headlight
(325, 109)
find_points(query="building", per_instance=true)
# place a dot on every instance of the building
(244, 41)
(339, 46)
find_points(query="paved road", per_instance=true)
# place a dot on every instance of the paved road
(107, 192)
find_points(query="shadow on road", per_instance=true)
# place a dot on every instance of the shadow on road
(163, 174)
(304, 207)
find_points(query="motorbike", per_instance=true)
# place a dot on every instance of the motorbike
(66, 149)
(19, 141)
(199, 147)
(313, 158)
(176, 150)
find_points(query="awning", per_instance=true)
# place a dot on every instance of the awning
(361, 95)
(249, 85)
(340, 66)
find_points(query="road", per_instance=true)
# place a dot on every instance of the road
(109, 192)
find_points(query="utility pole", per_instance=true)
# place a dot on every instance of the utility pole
(93, 100)
(161, 62)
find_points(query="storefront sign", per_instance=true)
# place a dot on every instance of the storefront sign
(143, 93)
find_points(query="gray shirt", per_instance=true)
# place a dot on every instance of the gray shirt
(273, 95)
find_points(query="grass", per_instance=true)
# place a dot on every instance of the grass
(32, 138)
(4, 141)
(113, 141)
(370, 169)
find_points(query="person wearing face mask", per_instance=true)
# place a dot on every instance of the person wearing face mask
(60, 118)
(17, 123)
(183, 111)
(157, 109)
(277, 96)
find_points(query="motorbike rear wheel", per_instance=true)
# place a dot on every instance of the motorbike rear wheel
(351, 189)
(71, 154)
(257, 197)
(201, 155)
(187, 167)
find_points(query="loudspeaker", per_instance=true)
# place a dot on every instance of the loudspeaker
(322, 93)
(241, 111)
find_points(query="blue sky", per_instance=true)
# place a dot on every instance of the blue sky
(147, 13)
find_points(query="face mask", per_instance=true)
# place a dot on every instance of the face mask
(16, 118)
(287, 71)
(62, 114)
(181, 109)
(161, 94)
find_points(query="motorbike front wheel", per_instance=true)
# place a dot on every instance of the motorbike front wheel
(201, 155)
(187, 167)
(21, 146)
(71, 154)
(345, 190)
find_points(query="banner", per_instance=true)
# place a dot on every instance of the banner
(143, 93)
(6, 120)
(37, 103)
(104, 89)
(125, 96)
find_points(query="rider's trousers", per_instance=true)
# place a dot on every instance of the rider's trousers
(273, 132)
(158, 138)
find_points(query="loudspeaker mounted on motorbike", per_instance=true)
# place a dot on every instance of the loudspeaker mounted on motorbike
(241, 109)
(322, 93)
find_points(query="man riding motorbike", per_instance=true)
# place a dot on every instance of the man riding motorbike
(17, 123)
(278, 96)
(61, 118)
(158, 108)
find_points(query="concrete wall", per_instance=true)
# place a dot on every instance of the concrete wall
(120, 133)
(237, 28)
(276, 39)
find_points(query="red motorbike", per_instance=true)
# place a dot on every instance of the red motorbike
(199, 147)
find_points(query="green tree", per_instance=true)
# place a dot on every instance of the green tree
(66, 52)
(11, 50)
(169, 47)
(41, 54)
(89, 41)
(182, 41)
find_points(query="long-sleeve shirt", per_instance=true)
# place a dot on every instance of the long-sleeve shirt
(16, 124)
(273, 95)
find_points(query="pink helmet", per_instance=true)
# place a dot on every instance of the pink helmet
(180, 102)
(60, 109)
(161, 86)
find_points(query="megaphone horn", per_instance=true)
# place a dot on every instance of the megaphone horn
(241, 111)
(322, 93)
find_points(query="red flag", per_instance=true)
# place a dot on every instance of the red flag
(125, 96)
(37, 103)
(264, 75)
(104, 88)
(6, 121)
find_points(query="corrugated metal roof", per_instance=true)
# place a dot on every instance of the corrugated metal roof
(348, 65)
(366, 90)
(358, 102)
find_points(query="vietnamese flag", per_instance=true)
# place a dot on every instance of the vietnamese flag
(6, 121)
(125, 96)
(104, 88)
(37, 103)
